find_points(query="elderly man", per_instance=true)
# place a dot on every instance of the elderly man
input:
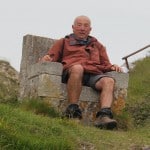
(85, 62)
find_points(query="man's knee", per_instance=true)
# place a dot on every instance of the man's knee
(105, 82)
(76, 69)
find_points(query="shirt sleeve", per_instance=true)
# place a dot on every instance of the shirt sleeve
(56, 50)
(104, 59)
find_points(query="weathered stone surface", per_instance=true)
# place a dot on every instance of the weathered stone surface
(54, 68)
(9, 84)
(50, 86)
(34, 47)
(44, 80)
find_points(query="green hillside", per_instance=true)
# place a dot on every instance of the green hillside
(138, 102)
(34, 126)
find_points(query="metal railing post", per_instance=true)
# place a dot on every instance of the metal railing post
(126, 57)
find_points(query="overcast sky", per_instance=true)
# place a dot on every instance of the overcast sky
(123, 26)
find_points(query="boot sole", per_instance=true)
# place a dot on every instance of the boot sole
(109, 126)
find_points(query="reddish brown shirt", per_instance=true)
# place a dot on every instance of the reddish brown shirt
(92, 56)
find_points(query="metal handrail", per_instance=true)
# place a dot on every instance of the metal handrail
(126, 57)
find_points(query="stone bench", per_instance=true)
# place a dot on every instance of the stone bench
(43, 80)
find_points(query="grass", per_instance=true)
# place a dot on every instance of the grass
(24, 130)
(139, 82)
(138, 100)
(35, 125)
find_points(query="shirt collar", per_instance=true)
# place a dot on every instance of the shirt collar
(75, 41)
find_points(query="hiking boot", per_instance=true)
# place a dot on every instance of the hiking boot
(104, 119)
(73, 111)
(105, 123)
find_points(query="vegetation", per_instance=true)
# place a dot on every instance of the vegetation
(33, 125)
(138, 102)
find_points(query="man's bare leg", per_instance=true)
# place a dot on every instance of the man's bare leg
(74, 87)
(106, 86)
(104, 116)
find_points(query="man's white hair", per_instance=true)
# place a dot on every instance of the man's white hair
(82, 17)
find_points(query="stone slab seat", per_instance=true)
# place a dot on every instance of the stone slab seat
(44, 80)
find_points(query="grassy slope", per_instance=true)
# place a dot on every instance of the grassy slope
(138, 101)
(23, 130)
(139, 84)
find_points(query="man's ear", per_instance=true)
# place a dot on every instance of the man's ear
(72, 26)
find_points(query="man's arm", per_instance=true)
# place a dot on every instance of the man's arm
(45, 58)
(106, 62)
(116, 68)
(55, 52)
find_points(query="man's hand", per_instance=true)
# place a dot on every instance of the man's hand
(116, 68)
(45, 58)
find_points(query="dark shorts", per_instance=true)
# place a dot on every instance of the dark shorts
(88, 78)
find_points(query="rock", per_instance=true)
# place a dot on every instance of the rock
(9, 82)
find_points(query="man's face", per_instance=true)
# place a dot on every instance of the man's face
(81, 28)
